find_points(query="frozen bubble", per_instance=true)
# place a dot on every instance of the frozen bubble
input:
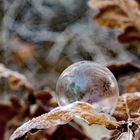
(89, 82)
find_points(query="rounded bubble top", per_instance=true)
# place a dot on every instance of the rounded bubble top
(89, 82)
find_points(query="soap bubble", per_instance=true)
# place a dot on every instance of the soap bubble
(89, 82)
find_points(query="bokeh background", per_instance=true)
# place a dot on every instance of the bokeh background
(40, 38)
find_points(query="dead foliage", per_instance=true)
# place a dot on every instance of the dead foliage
(122, 14)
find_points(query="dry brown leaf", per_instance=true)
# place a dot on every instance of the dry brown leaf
(8, 111)
(45, 98)
(127, 75)
(130, 35)
(133, 104)
(62, 115)
(132, 84)
(100, 3)
(136, 120)
(128, 110)
(137, 134)
(120, 112)
(128, 106)
(15, 79)
(122, 14)
(107, 18)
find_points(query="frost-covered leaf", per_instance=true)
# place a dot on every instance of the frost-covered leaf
(62, 115)
(125, 132)
(15, 79)
(126, 136)
(123, 14)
